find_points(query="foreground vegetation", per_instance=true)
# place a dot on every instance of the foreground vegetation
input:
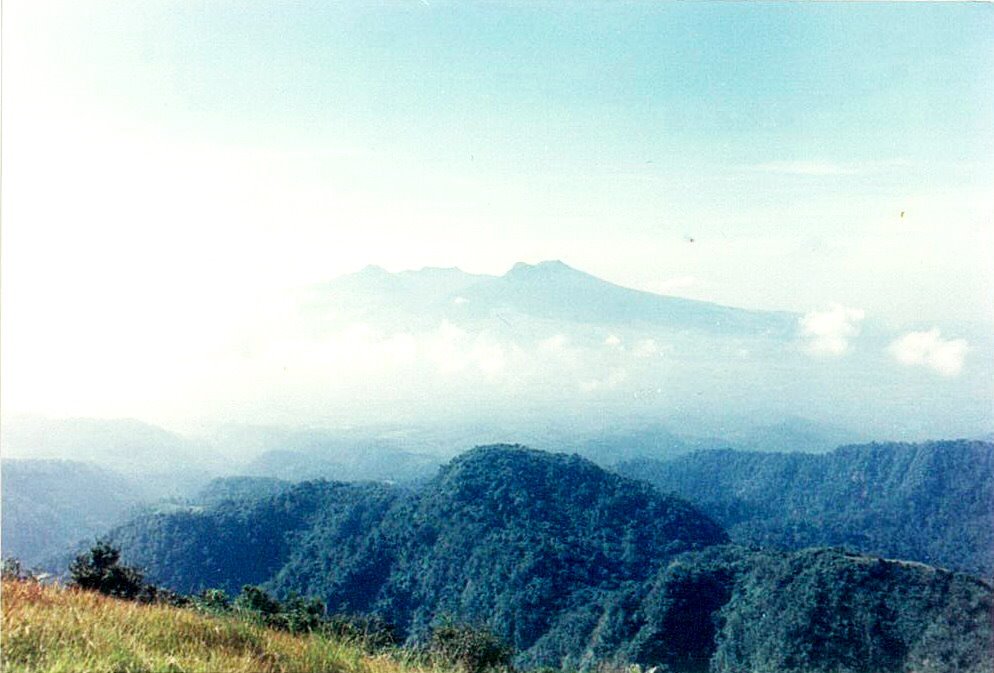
(50, 629)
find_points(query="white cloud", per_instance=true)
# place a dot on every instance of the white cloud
(612, 340)
(646, 348)
(829, 332)
(929, 349)
(488, 356)
(554, 344)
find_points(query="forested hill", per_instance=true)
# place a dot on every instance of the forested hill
(572, 565)
(501, 533)
(931, 502)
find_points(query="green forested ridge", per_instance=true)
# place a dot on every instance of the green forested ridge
(572, 565)
(931, 502)
(248, 541)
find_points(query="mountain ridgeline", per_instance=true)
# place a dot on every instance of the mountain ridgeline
(549, 290)
(931, 502)
(572, 565)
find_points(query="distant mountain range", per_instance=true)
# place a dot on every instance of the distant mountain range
(49, 506)
(125, 445)
(551, 291)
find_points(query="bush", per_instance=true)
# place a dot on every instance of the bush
(371, 632)
(296, 615)
(474, 649)
(153, 594)
(212, 600)
(257, 600)
(100, 570)
(299, 615)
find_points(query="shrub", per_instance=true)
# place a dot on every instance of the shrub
(474, 649)
(371, 632)
(257, 600)
(212, 600)
(299, 615)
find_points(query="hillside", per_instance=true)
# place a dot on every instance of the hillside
(573, 566)
(46, 629)
(544, 528)
(930, 502)
(728, 609)
(50, 505)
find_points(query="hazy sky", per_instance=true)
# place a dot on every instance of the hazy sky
(165, 164)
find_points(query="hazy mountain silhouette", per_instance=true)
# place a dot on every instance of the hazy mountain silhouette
(549, 290)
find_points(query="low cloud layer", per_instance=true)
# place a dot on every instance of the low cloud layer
(929, 349)
(828, 333)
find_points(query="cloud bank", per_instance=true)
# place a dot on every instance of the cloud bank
(828, 333)
(928, 349)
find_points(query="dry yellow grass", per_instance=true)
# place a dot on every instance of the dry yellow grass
(51, 629)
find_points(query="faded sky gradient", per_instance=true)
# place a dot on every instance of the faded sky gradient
(167, 166)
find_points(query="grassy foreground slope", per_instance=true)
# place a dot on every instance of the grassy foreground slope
(49, 629)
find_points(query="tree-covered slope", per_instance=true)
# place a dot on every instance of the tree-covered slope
(728, 609)
(511, 535)
(502, 534)
(931, 502)
(239, 541)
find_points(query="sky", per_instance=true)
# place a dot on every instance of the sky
(168, 167)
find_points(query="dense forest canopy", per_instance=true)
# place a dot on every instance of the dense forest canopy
(931, 502)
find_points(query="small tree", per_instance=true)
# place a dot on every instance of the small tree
(100, 570)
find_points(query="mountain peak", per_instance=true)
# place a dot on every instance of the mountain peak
(548, 266)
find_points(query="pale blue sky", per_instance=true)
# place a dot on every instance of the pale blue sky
(166, 163)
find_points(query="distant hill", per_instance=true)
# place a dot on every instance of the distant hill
(123, 445)
(931, 502)
(572, 565)
(239, 488)
(48, 506)
(343, 461)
